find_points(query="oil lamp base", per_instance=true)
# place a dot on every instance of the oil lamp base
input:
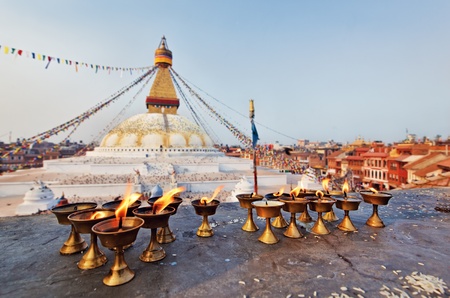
(292, 230)
(154, 251)
(305, 217)
(268, 237)
(249, 225)
(330, 216)
(205, 229)
(93, 257)
(73, 244)
(154, 255)
(346, 223)
(374, 220)
(319, 227)
(165, 235)
(119, 273)
(279, 222)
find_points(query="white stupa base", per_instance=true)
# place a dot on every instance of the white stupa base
(29, 208)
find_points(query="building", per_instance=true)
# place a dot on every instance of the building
(418, 169)
(375, 167)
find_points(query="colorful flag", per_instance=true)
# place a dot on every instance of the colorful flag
(255, 136)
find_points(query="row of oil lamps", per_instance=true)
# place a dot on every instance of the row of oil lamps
(117, 223)
(298, 202)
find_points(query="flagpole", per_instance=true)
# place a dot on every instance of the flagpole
(252, 116)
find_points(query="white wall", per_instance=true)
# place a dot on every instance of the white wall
(99, 190)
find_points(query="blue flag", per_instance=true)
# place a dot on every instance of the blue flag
(255, 136)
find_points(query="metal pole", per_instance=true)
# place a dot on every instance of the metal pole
(255, 176)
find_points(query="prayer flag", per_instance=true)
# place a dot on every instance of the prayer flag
(255, 136)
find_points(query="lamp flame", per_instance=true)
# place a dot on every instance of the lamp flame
(166, 199)
(295, 191)
(128, 199)
(345, 187)
(373, 190)
(205, 200)
(319, 194)
(254, 194)
(325, 184)
(302, 187)
(279, 193)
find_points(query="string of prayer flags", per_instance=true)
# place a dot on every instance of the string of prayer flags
(47, 58)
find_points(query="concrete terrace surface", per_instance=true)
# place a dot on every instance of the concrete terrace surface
(373, 262)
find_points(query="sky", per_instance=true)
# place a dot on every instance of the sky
(316, 70)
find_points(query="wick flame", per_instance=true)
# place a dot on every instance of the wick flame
(128, 200)
(295, 191)
(205, 200)
(302, 187)
(319, 194)
(254, 194)
(325, 184)
(97, 215)
(345, 187)
(373, 190)
(166, 199)
(279, 193)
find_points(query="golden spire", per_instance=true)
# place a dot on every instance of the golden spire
(163, 97)
(163, 56)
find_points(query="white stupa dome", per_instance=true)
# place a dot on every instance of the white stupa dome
(153, 132)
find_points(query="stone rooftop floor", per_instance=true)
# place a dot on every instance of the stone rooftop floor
(373, 262)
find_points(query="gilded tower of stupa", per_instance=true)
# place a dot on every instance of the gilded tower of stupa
(162, 97)
(161, 129)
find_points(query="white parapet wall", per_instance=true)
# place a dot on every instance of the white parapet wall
(89, 190)
(8, 189)
(230, 185)
(108, 190)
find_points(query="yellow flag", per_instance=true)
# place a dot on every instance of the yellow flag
(6, 50)
(39, 57)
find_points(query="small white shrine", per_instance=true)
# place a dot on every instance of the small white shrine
(38, 198)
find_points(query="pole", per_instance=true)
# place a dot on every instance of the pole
(255, 176)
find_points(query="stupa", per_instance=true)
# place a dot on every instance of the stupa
(158, 147)
(161, 129)
(38, 198)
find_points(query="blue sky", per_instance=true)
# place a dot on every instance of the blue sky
(317, 70)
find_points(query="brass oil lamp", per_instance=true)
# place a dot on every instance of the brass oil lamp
(206, 207)
(347, 204)
(330, 215)
(165, 234)
(245, 201)
(302, 192)
(268, 209)
(116, 203)
(116, 233)
(376, 198)
(320, 204)
(293, 205)
(83, 221)
(156, 216)
(279, 222)
(74, 243)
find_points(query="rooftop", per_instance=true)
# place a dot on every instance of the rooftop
(409, 251)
